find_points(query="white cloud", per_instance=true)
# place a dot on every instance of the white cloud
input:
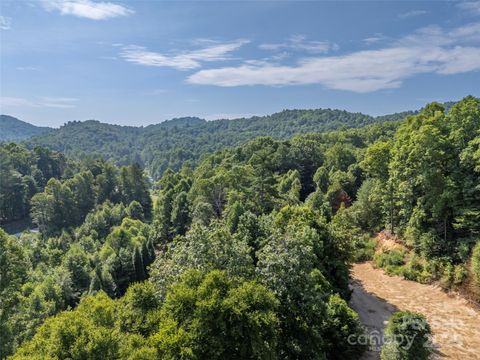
(471, 7)
(8, 101)
(5, 23)
(299, 43)
(374, 39)
(436, 36)
(55, 102)
(428, 50)
(58, 102)
(26, 68)
(183, 60)
(87, 9)
(413, 13)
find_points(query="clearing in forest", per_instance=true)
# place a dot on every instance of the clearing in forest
(455, 324)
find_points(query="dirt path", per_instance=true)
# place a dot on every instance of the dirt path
(455, 325)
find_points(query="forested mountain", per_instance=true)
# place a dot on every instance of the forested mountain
(227, 234)
(245, 256)
(23, 173)
(171, 143)
(12, 129)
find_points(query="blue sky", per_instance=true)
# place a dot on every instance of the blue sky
(142, 62)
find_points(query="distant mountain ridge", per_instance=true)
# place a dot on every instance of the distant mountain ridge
(183, 121)
(171, 143)
(13, 129)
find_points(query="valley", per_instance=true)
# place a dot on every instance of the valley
(239, 180)
(243, 249)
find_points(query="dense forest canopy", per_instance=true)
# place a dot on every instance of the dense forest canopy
(244, 256)
(12, 129)
(171, 143)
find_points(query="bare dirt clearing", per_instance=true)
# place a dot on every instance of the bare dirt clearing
(455, 324)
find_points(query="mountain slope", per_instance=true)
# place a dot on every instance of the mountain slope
(13, 129)
(171, 143)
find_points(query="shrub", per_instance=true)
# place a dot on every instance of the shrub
(460, 274)
(430, 245)
(339, 338)
(434, 267)
(392, 261)
(413, 269)
(448, 275)
(476, 262)
(364, 248)
(407, 337)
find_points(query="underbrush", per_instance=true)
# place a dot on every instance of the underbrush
(392, 261)
(364, 249)
(405, 263)
(395, 258)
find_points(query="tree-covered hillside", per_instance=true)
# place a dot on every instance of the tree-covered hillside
(245, 256)
(12, 129)
(23, 173)
(172, 143)
(220, 284)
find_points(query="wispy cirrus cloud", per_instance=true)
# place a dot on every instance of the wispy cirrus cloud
(472, 7)
(58, 102)
(26, 68)
(431, 36)
(428, 50)
(87, 9)
(300, 43)
(10, 101)
(41, 101)
(5, 23)
(411, 14)
(183, 60)
(374, 39)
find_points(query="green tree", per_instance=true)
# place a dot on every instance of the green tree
(77, 263)
(13, 273)
(218, 316)
(343, 340)
(52, 209)
(376, 160)
(139, 310)
(106, 184)
(162, 215)
(180, 217)
(232, 216)
(289, 187)
(408, 337)
(367, 209)
(203, 249)
(286, 265)
(134, 186)
(85, 333)
(121, 256)
(135, 210)
(476, 263)
(82, 188)
(321, 179)
(421, 159)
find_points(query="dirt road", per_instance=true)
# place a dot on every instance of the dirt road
(455, 325)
